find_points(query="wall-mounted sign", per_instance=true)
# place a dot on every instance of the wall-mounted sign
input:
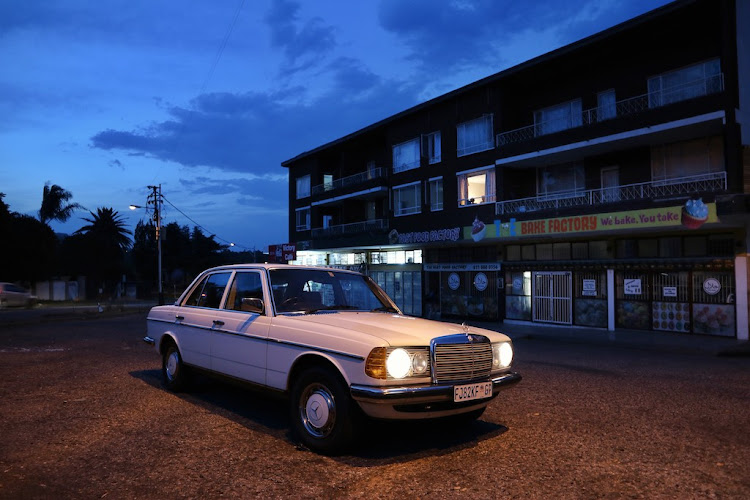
(692, 215)
(449, 234)
(282, 253)
(454, 281)
(480, 281)
(670, 291)
(632, 286)
(589, 288)
(711, 286)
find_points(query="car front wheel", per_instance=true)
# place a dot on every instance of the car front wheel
(324, 417)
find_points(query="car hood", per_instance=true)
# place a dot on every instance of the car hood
(393, 329)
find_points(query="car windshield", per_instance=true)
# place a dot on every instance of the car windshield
(312, 290)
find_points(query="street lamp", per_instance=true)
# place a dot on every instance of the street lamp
(155, 199)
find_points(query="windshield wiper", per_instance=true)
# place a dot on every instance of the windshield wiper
(387, 309)
(331, 308)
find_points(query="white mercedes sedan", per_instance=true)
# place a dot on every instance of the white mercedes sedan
(334, 343)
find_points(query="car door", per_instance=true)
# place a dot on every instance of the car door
(239, 343)
(198, 316)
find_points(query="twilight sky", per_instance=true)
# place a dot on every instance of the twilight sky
(207, 98)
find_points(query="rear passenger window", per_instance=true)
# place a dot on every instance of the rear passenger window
(209, 292)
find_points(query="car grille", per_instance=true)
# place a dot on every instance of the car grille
(461, 357)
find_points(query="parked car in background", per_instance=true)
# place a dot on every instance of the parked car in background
(14, 295)
(334, 343)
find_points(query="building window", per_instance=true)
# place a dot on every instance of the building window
(406, 155)
(686, 159)
(606, 105)
(303, 186)
(303, 218)
(474, 136)
(407, 199)
(435, 193)
(431, 147)
(685, 83)
(560, 181)
(476, 186)
(559, 117)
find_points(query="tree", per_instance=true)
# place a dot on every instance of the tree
(106, 241)
(27, 247)
(55, 204)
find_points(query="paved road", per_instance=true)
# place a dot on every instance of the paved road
(83, 415)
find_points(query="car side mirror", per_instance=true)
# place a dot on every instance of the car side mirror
(253, 305)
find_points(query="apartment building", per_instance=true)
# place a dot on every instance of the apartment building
(604, 184)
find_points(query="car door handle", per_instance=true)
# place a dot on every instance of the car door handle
(218, 322)
(179, 318)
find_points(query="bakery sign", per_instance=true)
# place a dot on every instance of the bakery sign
(692, 215)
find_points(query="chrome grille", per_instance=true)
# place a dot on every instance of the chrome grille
(461, 357)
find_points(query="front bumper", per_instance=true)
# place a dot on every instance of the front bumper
(422, 394)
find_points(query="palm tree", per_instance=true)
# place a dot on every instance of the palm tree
(54, 204)
(106, 241)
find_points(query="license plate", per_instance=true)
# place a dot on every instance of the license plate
(470, 392)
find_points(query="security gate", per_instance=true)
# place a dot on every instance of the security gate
(552, 297)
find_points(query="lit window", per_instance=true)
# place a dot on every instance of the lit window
(476, 186)
(431, 147)
(559, 117)
(303, 186)
(474, 136)
(407, 199)
(685, 83)
(303, 218)
(435, 193)
(406, 155)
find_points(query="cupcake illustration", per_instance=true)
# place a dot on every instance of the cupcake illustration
(478, 229)
(694, 213)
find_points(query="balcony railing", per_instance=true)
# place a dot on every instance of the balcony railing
(352, 228)
(646, 190)
(351, 180)
(634, 105)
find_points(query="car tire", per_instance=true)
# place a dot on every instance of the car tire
(173, 370)
(324, 416)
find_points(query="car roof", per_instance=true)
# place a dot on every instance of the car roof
(267, 266)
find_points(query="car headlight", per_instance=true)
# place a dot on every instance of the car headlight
(398, 363)
(502, 355)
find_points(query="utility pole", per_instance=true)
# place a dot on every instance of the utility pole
(156, 199)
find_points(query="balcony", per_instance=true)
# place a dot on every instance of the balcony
(349, 181)
(626, 107)
(352, 228)
(646, 190)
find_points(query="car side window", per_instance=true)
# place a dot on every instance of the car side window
(209, 292)
(246, 285)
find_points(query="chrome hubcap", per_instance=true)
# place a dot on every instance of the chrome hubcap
(172, 361)
(317, 410)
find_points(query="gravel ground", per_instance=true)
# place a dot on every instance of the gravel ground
(83, 415)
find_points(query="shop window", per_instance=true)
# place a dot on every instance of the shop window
(627, 249)
(598, 250)
(713, 303)
(696, 246)
(721, 245)
(544, 251)
(590, 298)
(580, 250)
(648, 248)
(633, 294)
(528, 252)
(670, 310)
(670, 247)
(561, 251)
(518, 295)
(406, 155)
(474, 136)
(513, 252)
